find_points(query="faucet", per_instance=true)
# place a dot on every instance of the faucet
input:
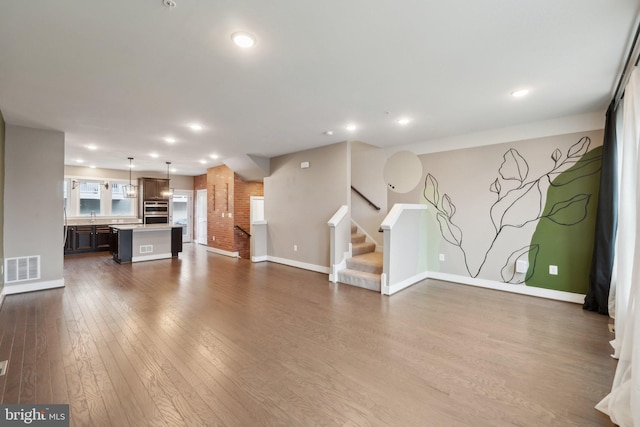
(93, 217)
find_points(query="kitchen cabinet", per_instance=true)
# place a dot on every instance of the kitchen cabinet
(87, 238)
(152, 188)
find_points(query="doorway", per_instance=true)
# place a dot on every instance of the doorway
(182, 213)
(201, 217)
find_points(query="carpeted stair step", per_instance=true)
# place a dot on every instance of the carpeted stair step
(362, 248)
(360, 278)
(369, 263)
(358, 238)
(354, 229)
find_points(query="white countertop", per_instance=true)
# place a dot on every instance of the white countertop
(145, 227)
(104, 221)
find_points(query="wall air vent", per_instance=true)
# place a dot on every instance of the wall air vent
(146, 249)
(21, 269)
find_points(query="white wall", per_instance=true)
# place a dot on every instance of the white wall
(367, 164)
(178, 182)
(33, 200)
(299, 202)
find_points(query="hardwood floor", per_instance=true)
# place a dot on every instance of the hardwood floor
(211, 340)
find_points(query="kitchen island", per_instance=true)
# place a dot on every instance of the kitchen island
(145, 242)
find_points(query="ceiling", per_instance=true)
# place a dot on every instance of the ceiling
(122, 75)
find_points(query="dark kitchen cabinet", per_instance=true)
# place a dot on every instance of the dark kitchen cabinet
(152, 188)
(84, 238)
(102, 237)
(87, 238)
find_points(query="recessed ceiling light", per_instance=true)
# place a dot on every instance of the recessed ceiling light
(174, 170)
(351, 127)
(243, 39)
(79, 161)
(203, 161)
(92, 166)
(520, 93)
(91, 147)
(214, 156)
(154, 155)
(403, 121)
(170, 139)
(328, 132)
(131, 166)
(196, 127)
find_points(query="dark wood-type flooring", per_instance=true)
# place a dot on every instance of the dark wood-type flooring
(211, 340)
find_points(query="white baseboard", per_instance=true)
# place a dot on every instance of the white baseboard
(223, 252)
(33, 286)
(396, 287)
(333, 276)
(259, 258)
(299, 264)
(507, 287)
(150, 257)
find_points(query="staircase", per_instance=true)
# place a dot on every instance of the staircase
(365, 267)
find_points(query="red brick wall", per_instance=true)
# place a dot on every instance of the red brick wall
(220, 186)
(242, 203)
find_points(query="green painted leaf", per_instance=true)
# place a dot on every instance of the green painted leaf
(570, 212)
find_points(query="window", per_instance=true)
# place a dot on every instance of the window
(84, 197)
(90, 197)
(120, 205)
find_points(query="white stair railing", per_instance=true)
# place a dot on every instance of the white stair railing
(340, 241)
(405, 247)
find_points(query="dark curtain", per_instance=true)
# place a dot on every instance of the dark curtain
(597, 298)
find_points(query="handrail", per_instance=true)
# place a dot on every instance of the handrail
(373, 205)
(242, 229)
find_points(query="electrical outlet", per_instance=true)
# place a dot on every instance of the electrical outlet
(441, 257)
(553, 269)
(213, 238)
(295, 248)
(222, 214)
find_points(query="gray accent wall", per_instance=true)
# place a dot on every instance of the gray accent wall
(299, 202)
(2, 132)
(33, 198)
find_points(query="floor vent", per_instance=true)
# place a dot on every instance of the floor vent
(3, 367)
(21, 269)
(146, 249)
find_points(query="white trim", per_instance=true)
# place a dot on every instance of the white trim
(338, 216)
(393, 215)
(35, 286)
(223, 252)
(396, 287)
(151, 257)
(259, 258)
(333, 275)
(263, 222)
(507, 287)
(1, 296)
(299, 264)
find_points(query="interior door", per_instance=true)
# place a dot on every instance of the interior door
(201, 217)
(182, 212)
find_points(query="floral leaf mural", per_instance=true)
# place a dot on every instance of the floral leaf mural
(523, 204)
(508, 272)
(447, 206)
(514, 166)
(431, 190)
(570, 212)
(580, 148)
(450, 232)
(495, 187)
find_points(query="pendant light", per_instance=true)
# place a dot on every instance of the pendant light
(130, 191)
(168, 192)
